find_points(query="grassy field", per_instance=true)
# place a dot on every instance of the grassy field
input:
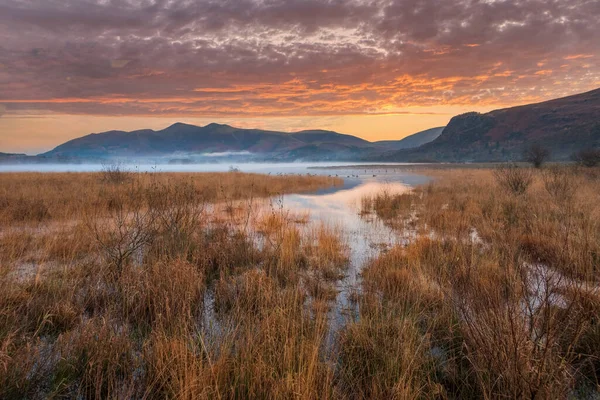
(105, 280)
(496, 296)
(41, 197)
(185, 286)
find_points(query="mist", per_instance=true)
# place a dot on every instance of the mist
(258, 167)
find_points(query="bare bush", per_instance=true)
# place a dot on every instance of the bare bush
(179, 208)
(514, 179)
(587, 157)
(114, 172)
(536, 154)
(130, 225)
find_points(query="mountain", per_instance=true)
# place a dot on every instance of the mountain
(316, 137)
(11, 154)
(177, 138)
(412, 141)
(7, 158)
(183, 140)
(563, 126)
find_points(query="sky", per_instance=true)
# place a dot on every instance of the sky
(378, 69)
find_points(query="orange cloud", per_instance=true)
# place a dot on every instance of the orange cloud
(578, 56)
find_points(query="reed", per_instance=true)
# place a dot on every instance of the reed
(501, 282)
(105, 282)
(185, 286)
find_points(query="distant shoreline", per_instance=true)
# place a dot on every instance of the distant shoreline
(417, 166)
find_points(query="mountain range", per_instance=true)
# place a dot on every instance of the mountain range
(563, 126)
(185, 141)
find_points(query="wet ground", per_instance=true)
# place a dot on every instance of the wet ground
(366, 236)
(340, 207)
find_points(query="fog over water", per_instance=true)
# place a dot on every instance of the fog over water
(265, 168)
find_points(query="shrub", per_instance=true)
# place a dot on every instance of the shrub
(179, 209)
(514, 179)
(587, 157)
(130, 226)
(114, 172)
(536, 154)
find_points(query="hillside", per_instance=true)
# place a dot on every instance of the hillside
(177, 138)
(563, 125)
(412, 141)
(8, 158)
(183, 140)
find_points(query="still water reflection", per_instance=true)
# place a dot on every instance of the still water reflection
(336, 206)
(365, 236)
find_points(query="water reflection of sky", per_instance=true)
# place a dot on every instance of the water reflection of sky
(343, 203)
(365, 236)
(342, 209)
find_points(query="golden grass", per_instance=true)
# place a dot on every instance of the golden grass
(503, 283)
(105, 284)
(144, 287)
(40, 197)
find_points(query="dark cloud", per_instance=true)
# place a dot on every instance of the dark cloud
(290, 57)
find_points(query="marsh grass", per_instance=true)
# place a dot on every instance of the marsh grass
(34, 198)
(104, 282)
(514, 178)
(500, 280)
(185, 286)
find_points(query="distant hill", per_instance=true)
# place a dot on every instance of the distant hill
(563, 125)
(183, 140)
(12, 157)
(316, 137)
(412, 141)
(177, 138)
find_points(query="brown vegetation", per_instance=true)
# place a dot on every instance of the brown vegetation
(182, 286)
(107, 284)
(587, 157)
(498, 297)
(536, 154)
(42, 197)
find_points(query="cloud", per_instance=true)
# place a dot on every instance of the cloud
(290, 57)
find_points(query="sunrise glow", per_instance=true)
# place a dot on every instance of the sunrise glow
(376, 69)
